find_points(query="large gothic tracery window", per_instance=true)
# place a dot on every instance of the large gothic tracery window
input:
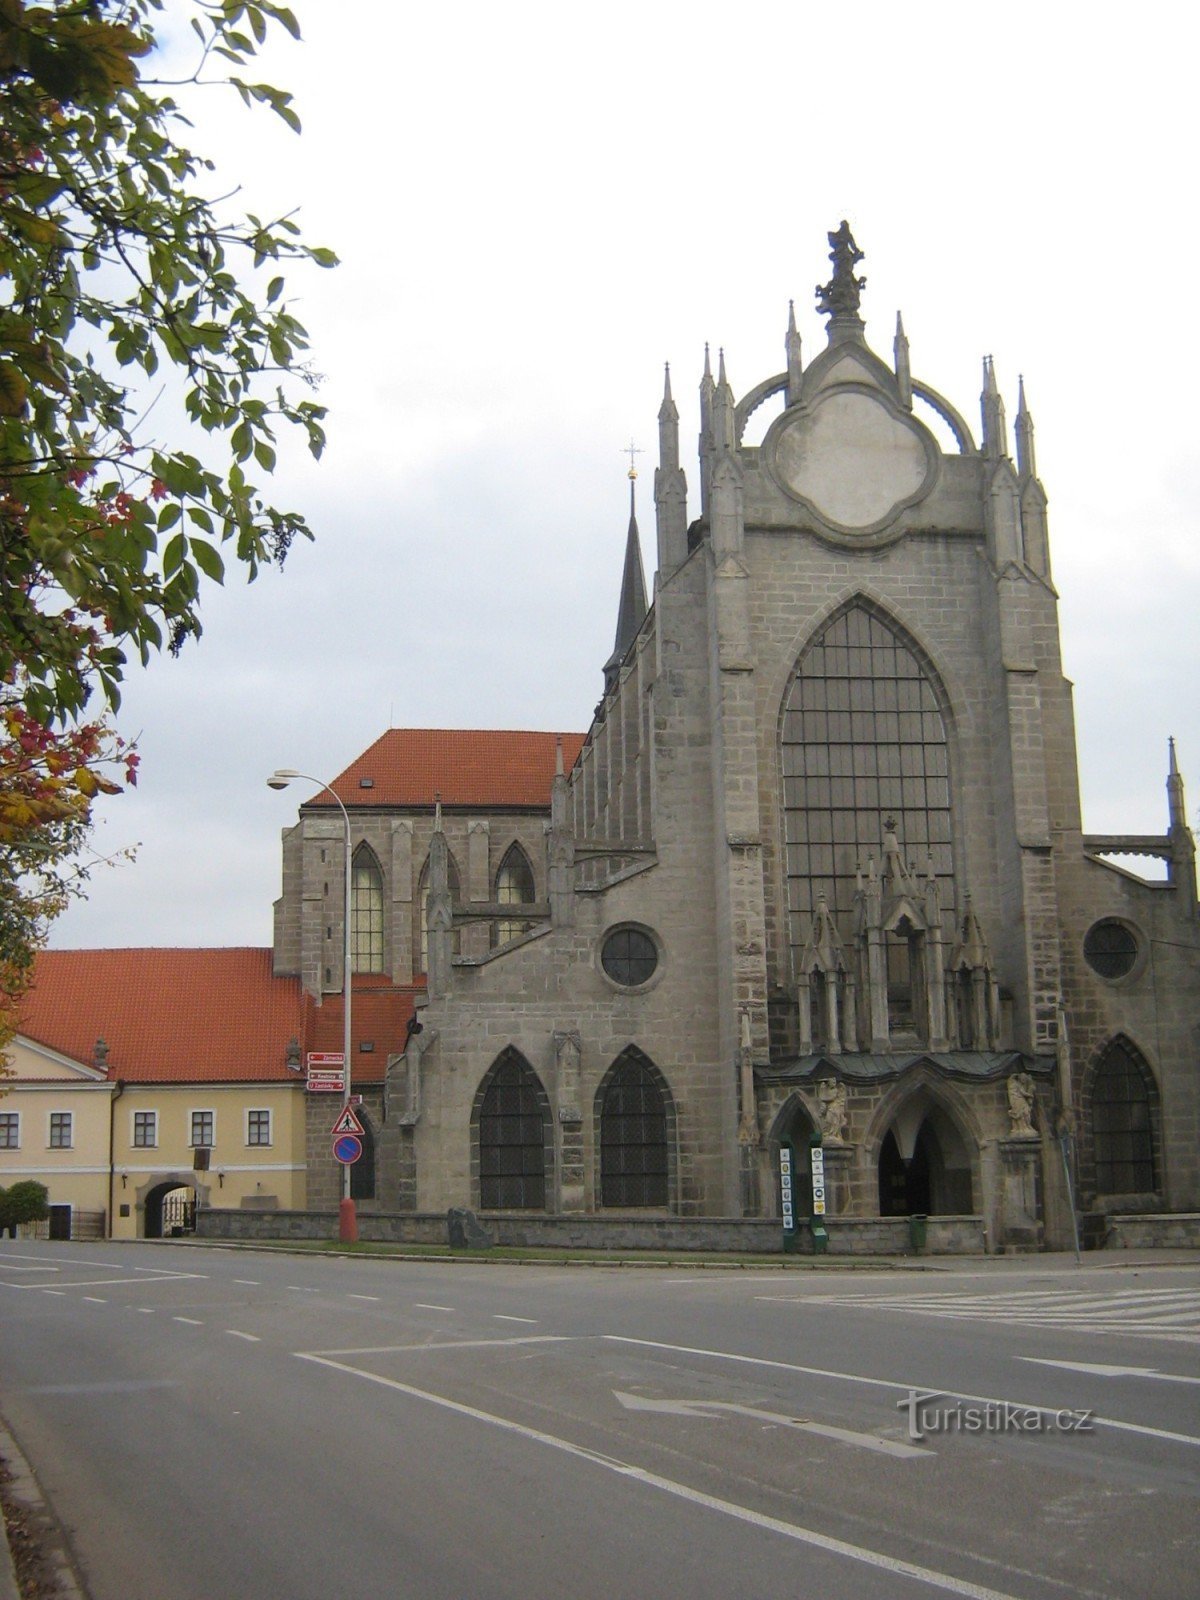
(514, 887)
(634, 1148)
(1122, 1123)
(863, 740)
(366, 923)
(513, 1132)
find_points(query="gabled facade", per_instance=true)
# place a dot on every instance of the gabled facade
(147, 1082)
(816, 870)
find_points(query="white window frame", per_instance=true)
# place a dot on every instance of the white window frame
(15, 1124)
(148, 1144)
(70, 1129)
(260, 1144)
(202, 1111)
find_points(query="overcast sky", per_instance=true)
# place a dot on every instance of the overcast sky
(536, 205)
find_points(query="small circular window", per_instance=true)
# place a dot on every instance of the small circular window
(629, 957)
(1110, 948)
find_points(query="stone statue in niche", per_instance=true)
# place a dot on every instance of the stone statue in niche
(832, 1096)
(1021, 1095)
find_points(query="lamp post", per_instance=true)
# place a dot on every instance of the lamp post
(347, 1222)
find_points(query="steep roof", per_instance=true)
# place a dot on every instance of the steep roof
(486, 768)
(379, 1018)
(167, 1016)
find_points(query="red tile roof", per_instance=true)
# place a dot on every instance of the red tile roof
(487, 768)
(167, 1016)
(379, 1016)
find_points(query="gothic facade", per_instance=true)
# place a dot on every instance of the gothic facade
(816, 871)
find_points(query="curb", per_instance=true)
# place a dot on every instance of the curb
(25, 1488)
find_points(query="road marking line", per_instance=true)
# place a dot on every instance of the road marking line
(681, 1491)
(1098, 1370)
(420, 1305)
(362, 1297)
(455, 1344)
(707, 1408)
(303, 1288)
(60, 1292)
(12, 1266)
(498, 1316)
(192, 1322)
(902, 1388)
(236, 1333)
(107, 1283)
(110, 1386)
(146, 1311)
(250, 1283)
(95, 1300)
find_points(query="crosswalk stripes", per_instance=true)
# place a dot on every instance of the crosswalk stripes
(1149, 1313)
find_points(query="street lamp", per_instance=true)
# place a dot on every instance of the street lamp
(347, 1222)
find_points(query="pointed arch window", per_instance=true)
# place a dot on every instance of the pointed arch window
(366, 922)
(863, 739)
(634, 1150)
(514, 887)
(1122, 1124)
(513, 1135)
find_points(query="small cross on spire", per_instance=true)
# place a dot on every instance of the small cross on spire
(632, 450)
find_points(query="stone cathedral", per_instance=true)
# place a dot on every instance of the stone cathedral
(816, 872)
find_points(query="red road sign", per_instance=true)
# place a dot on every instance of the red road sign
(325, 1058)
(329, 1080)
(347, 1122)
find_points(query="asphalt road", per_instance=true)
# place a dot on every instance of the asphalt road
(212, 1423)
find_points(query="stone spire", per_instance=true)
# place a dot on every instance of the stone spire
(1026, 459)
(794, 366)
(707, 391)
(903, 367)
(839, 298)
(631, 612)
(995, 432)
(670, 488)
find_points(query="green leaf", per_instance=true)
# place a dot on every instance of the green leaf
(208, 559)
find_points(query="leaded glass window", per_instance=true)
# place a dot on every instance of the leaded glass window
(1122, 1130)
(514, 887)
(1110, 948)
(366, 922)
(863, 740)
(512, 1140)
(633, 1138)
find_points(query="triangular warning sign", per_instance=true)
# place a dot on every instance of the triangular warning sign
(347, 1123)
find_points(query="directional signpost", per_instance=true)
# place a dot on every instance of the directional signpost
(787, 1162)
(817, 1221)
(326, 1072)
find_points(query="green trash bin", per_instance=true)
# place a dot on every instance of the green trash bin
(916, 1231)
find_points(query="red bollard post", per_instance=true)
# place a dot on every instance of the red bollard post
(347, 1222)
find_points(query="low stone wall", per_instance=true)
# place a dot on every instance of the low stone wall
(1164, 1230)
(848, 1236)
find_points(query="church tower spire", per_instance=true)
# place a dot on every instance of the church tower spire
(903, 366)
(631, 612)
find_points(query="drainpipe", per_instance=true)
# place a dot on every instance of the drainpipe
(112, 1173)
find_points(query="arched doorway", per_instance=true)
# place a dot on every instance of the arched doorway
(362, 1171)
(925, 1163)
(800, 1131)
(170, 1209)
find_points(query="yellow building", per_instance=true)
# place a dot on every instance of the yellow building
(55, 1129)
(147, 1082)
